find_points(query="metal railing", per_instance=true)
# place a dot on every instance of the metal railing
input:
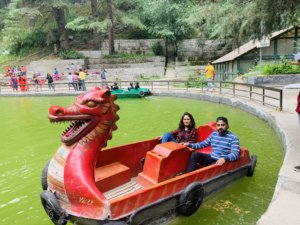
(265, 95)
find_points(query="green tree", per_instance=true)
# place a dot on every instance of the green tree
(24, 17)
(107, 17)
(16, 24)
(91, 19)
(96, 17)
(4, 3)
(243, 20)
(110, 28)
(167, 19)
(59, 15)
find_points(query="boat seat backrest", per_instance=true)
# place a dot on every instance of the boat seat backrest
(165, 161)
(243, 151)
(205, 130)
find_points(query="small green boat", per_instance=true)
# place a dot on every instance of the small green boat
(131, 93)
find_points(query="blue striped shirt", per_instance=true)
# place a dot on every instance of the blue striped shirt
(226, 146)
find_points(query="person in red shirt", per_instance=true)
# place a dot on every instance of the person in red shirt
(23, 83)
(298, 107)
(7, 71)
(297, 168)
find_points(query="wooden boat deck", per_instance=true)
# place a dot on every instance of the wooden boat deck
(122, 190)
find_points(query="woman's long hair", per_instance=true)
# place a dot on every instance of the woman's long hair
(191, 126)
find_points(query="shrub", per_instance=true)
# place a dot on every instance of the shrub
(71, 55)
(34, 40)
(196, 81)
(280, 68)
(137, 34)
(276, 67)
(153, 77)
(157, 49)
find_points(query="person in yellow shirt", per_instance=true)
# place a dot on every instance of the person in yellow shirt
(81, 77)
(210, 74)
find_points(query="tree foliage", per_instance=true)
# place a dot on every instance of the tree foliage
(242, 20)
(23, 21)
(30, 19)
(168, 19)
(107, 18)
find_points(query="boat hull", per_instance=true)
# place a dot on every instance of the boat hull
(132, 93)
(164, 210)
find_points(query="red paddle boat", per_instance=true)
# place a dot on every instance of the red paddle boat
(137, 183)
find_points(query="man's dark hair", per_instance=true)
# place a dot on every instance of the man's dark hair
(224, 119)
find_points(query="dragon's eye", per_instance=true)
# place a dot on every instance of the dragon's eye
(91, 103)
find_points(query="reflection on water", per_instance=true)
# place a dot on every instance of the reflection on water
(28, 140)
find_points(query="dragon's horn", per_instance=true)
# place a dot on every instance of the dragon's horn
(113, 97)
(117, 117)
(107, 93)
(114, 127)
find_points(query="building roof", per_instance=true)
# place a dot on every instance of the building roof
(246, 48)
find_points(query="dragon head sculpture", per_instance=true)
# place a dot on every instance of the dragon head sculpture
(91, 116)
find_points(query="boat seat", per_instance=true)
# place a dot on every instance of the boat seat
(112, 175)
(165, 161)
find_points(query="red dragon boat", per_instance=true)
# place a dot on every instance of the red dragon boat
(136, 183)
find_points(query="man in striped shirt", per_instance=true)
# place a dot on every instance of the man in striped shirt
(225, 147)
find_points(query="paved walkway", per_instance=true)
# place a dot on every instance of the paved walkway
(285, 205)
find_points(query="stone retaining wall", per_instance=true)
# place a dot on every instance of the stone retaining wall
(272, 79)
(201, 50)
(48, 65)
(128, 69)
(117, 69)
(188, 49)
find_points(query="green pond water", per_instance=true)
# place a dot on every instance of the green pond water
(28, 140)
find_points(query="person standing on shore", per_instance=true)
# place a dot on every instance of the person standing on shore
(210, 74)
(75, 77)
(56, 74)
(297, 168)
(298, 107)
(14, 83)
(102, 74)
(36, 80)
(70, 80)
(23, 83)
(73, 68)
(50, 82)
(82, 76)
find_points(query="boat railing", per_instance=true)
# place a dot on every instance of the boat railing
(268, 96)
